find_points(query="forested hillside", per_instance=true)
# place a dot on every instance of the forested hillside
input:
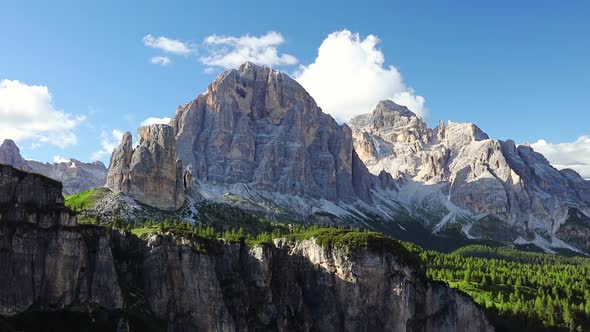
(522, 291)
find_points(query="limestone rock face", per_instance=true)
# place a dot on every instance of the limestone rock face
(118, 176)
(296, 286)
(513, 191)
(75, 175)
(257, 126)
(150, 173)
(48, 261)
(32, 198)
(56, 269)
(299, 286)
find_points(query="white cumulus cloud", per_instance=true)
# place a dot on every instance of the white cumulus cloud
(27, 113)
(109, 141)
(349, 77)
(153, 120)
(161, 60)
(60, 159)
(574, 155)
(167, 45)
(231, 51)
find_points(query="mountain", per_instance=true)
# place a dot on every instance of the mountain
(59, 275)
(258, 141)
(456, 176)
(259, 127)
(75, 175)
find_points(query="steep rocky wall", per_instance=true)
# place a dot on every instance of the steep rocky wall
(150, 173)
(32, 198)
(48, 262)
(297, 286)
(53, 269)
(257, 126)
(294, 287)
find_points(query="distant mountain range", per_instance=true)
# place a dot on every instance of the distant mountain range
(75, 175)
(456, 176)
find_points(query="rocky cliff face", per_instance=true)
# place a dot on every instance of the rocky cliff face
(49, 262)
(300, 286)
(456, 173)
(123, 283)
(75, 175)
(257, 126)
(31, 198)
(150, 173)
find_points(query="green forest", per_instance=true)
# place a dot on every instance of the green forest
(521, 291)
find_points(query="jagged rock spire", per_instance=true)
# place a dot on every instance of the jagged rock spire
(150, 173)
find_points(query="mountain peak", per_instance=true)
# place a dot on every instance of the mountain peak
(10, 154)
(249, 65)
(468, 130)
(257, 90)
(250, 71)
(258, 126)
(388, 105)
(9, 143)
(386, 115)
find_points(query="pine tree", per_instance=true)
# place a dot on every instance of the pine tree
(539, 307)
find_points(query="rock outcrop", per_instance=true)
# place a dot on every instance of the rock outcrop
(75, 175)
(32, 198)
(456, 173)
(120, 282)
(257, 126)
(48, 261)
(150, 173)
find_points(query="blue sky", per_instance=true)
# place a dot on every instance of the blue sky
(519, 70)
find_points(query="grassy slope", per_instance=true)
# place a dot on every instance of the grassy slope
(85, 199)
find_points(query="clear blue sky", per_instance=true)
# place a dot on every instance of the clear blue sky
(518, 69)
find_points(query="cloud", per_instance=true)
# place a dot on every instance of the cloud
(574, 155)
(161, 60)
(108, 142)
(27, 113)
(348, 77)
(231, 52)
(152, 120)
(60, 159)
(167, 45)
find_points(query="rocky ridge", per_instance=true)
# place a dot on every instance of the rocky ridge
(456, 174)
(75, 175)
(123, 283)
